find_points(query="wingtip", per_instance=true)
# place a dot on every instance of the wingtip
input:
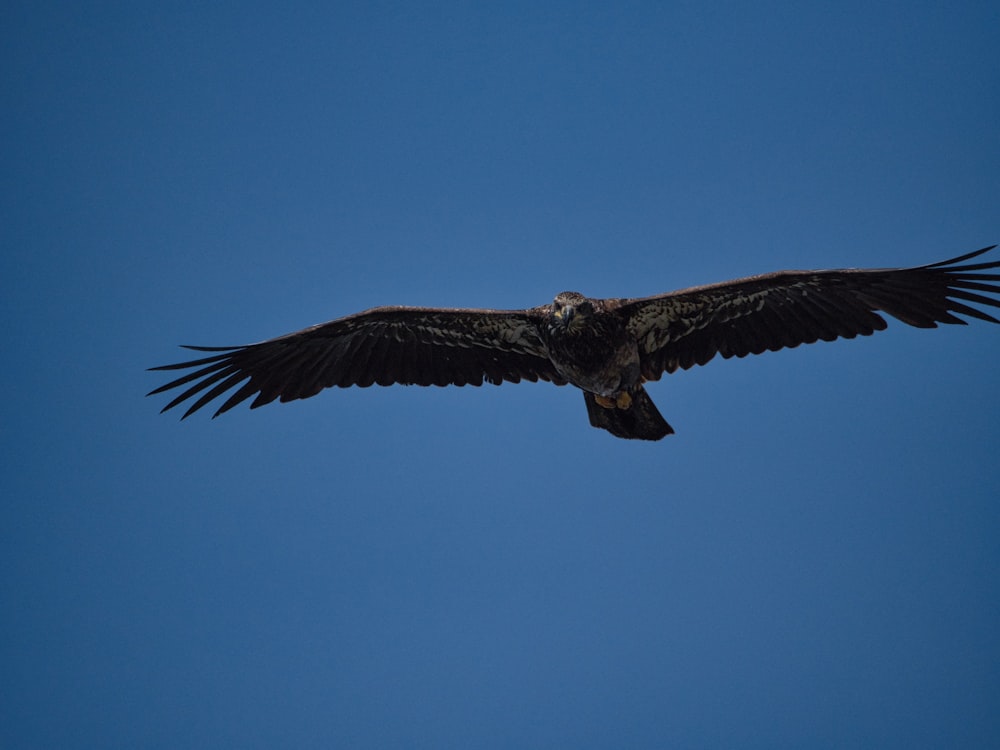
(961, 258)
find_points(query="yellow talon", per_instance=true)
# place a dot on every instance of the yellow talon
(607, 403)
(622, 401)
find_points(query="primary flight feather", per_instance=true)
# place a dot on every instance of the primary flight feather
(605, 347)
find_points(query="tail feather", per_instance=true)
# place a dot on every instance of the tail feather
(641, 421)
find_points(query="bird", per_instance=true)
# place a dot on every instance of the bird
(608, 348)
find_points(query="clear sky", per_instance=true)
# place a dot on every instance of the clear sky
(813, 560)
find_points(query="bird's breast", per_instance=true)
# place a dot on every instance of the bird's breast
(601, 359)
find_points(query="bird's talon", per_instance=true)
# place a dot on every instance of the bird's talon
(622, 401)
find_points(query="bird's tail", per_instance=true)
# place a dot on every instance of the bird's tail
(640, 421)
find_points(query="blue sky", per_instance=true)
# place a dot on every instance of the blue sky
(813, 560)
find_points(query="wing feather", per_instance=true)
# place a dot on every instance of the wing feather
(386, 345)
(785, 309)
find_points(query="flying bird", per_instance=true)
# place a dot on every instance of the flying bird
(606, 347)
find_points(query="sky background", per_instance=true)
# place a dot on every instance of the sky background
(813, 560)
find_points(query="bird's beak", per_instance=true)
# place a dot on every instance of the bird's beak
(566, 314)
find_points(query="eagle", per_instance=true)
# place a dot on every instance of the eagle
(608, 348)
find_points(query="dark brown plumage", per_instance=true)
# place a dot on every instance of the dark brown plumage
(606, 347)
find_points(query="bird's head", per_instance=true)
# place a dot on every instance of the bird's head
(569, 310)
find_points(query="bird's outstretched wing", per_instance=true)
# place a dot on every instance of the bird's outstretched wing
(784, 309)
(385, 345)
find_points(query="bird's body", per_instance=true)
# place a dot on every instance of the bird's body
(590, 346)
(606, 347)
